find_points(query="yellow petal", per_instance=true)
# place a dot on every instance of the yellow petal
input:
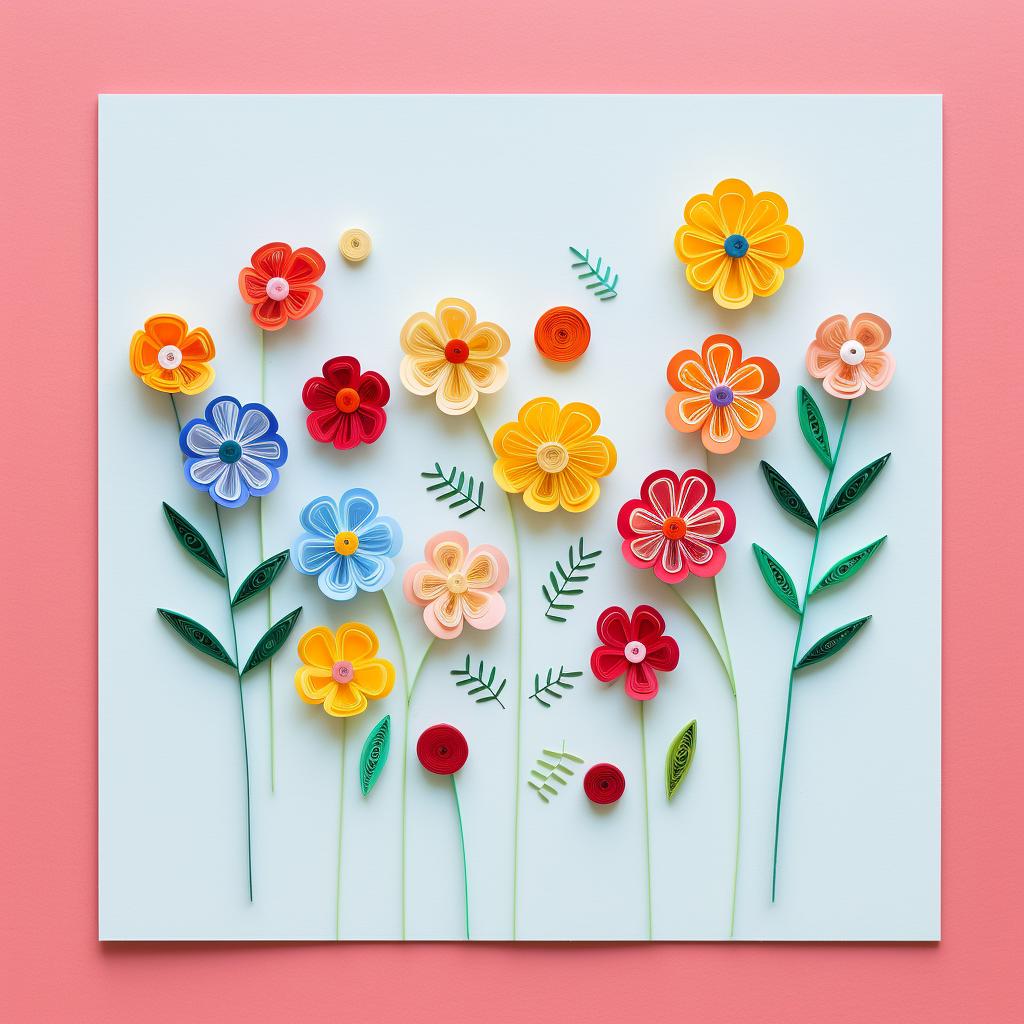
(733, 289)
(593, 457)
(318, 647)
(356, 642)
(456, 317)
(576, 422)
(733, 198)
(421, 336)
(542, 494)
(576, 491)
(374, 678)
(514, 475)
(346, 702)
(539, 419)
(456, 393)
(314, 685)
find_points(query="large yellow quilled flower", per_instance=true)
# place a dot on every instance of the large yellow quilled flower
(553, 456)
(452, 357)
(341, 670)
(737, 244)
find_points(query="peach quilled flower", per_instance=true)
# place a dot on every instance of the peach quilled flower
(848, 358)
(167, 356)
(341, 670)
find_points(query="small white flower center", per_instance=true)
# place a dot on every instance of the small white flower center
(457, 583)
(169, 357)
(277, 289)
(635, 652)
(852, 353)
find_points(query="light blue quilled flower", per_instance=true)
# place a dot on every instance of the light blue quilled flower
(233, 452)
(347, 545)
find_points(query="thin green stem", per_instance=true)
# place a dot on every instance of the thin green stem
(647, 823)
(341, 831)
(462, 841)
(177, 418)
(241, 699)
(270, 600)
(799, 637)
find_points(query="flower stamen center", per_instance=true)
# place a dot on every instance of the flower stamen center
(852, 352)
(635, 652)
(674, 528)
(278, 289)
(230, 451)
(458, 583)
(721, 395)
(552, 457)
(346, 543)
(169, 357)
(347, 400)
(456, 351)
(343, 671)
(736, 246)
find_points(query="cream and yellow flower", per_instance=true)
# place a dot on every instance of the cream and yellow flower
(553, 456)
(452, 357)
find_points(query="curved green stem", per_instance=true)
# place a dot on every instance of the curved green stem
(241, 699)
(796, 642)
(647, 824)
(177, 418)
(462, 842)
(341, 829)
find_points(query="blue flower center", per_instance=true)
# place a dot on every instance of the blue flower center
(722, 395)
(736, 246)
(230, 451)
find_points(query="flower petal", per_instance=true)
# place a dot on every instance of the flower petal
(646, 624)
(515, 475)
(346, 702)
(319, 647)
(357, 509)
(751, 417)
(320, 516)
(755, 377)
(608, 663)
(613, 627)
(304, 267)
(483, 609)
(383, 536)
(373, 389)
(375, 678)
(314, 685)
(311, 554)
(577, 490)
(456, 318)
(202, 439)
(357, 643)
(421, 375)
(720, 353)
(538, 419)
(871, 331)
(447, 551)
(663, 654)
(456, 393)
(371, 572)
(719, 433)
(300, 302)
(205, 471)
(593, 457)
(257, 475)
(486, 568)
(733, 288)
(421, 337)
(223, 413)
(337, 581)
(832, 333)
(576, 422)
(230, 490)
(271, 259)
(641, 681)
(686, 372)
(166, 329)
(877, 370)
(542, 493)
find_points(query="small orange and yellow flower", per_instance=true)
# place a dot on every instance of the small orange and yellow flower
(452, 357)
(341, 670)
(737, 244)
(168, 357)
(553, 456)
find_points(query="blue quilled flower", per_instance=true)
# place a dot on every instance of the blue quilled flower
(347, 544)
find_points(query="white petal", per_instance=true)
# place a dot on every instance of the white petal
(203, 439)
(205, 471)
(254, 425)
(224, 414)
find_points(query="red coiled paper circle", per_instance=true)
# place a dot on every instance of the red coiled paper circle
(442, 749)
(604, 784)
(562, 334)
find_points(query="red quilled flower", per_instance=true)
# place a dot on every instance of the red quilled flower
(604, 783)
(279, 285)
(346, 404)
(442, 749)
(636, 646)
(676, 526)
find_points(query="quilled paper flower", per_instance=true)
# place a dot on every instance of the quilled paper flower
(233, 452)
(442, 749)
(456, 586)
(346, 403)
(347, 544)
(634, 646)
(721, 394)
(341, 670)
(604, 783)
(553, 456)
(166, 356)
(280, 284)
(848, 358)
(452, 357)
(676, 526)
(737, 244)
(562, 334)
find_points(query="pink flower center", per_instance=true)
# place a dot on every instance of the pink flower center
(635, 652)
(277, 289)
(343, 672)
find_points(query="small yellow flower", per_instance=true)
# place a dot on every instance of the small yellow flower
(167, 356)
(341, 670)
(553, 456)
(452, 357)
(737, 244)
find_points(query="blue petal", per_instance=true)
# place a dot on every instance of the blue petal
(321, 516)
(337, 581)
(371, 572)
(357, 508)
(311, 554)
(383, 536)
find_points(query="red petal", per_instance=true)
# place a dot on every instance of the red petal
(323, 424)
(253, 285)
(641, 681)
(271, 259)
(372, 422)
(663, 654)
(613, 627)
(269, 314)
(608, 663)
(373, 389)
(318, 394)
(300, 302)
(342, 371)
(305, 267)
(646, 625)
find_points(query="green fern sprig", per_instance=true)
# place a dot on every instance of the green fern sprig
(456, 485)
(465, 676)
(567, 587)
(603, 284)
(552, 766)
(543, 693)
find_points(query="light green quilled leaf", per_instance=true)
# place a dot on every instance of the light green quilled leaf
(192, 540)
(784, 493)
(848, 566)
(271, 641)
(260, 578)
(812, 424)
(374, 754)
(856, 486)
(680, 756)
(196, 635)
(832, 643)
(779, 581)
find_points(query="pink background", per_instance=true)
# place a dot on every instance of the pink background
(53, 63)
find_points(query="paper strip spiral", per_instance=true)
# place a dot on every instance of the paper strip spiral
(562, 334)
(604, 784)
(442, 749)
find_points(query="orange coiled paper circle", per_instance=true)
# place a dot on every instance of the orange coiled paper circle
(442, 749)
(604, 784)
(562, 334)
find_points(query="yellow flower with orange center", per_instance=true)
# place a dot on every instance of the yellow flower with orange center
(737, 244)
(452, 357)
(341, 670)
(553, 456)
(168, 357)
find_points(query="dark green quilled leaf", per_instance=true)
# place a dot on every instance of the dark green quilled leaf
(271, 641)
(260, 578)
(789, 501)
(197, 635)
(848, 566)
(680, 756)
(812, 423)
(832, 643)
(856, 486)
(778, 580)
(374, 754)
(192, 540)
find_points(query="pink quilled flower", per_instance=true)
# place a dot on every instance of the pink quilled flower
(635, 646)
(455, 585)
(676, 526)
(848, 358)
